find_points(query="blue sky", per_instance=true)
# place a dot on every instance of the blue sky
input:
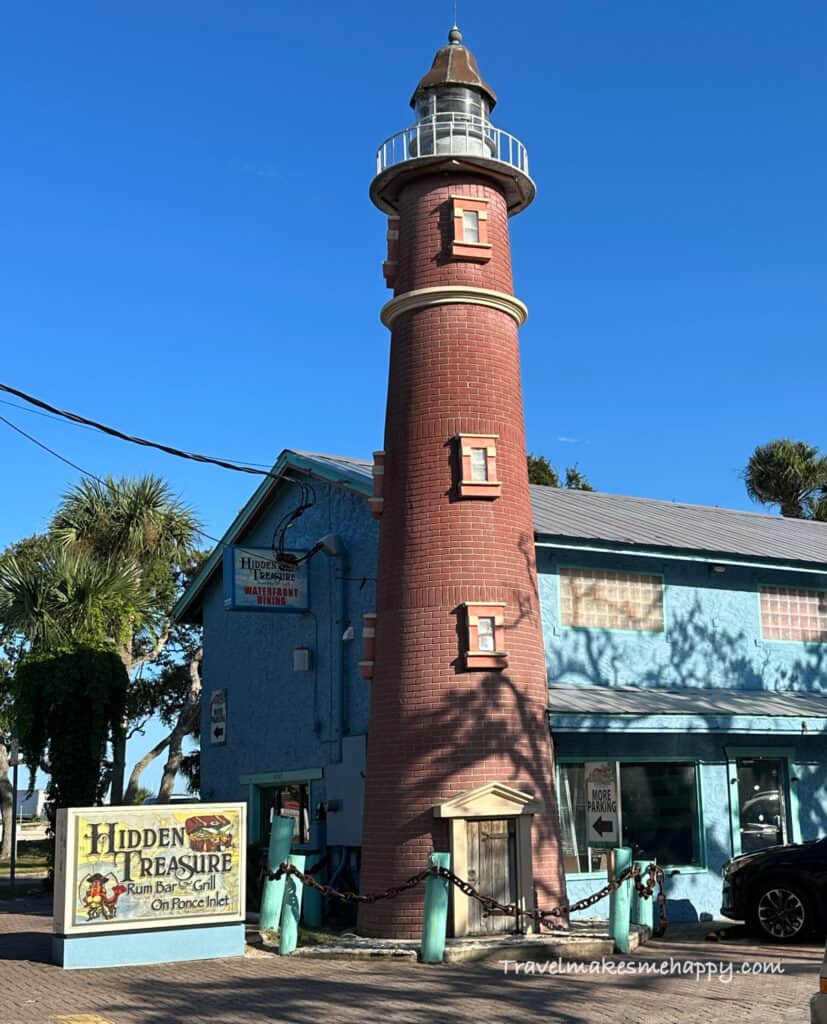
(188, 251)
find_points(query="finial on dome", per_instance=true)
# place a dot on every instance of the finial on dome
(455, 36)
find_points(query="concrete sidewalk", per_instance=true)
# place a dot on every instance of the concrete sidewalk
(261, 988)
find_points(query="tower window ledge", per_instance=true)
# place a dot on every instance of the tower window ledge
(472, 250)
(490, 659)
(481, 489)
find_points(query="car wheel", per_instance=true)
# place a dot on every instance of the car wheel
(780, 911)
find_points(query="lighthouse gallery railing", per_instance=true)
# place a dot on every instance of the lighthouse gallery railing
(452, 134)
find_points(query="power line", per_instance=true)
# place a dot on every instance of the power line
(37, 412)
(74, 465)
(51, 451)
(73, 417)
(86, 426)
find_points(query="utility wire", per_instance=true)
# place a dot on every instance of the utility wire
(73, 417)
(51, 451)
(74, 465)
(60, 419)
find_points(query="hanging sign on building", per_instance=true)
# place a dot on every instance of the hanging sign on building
(256, 579)
(601, 804)
(147, 867)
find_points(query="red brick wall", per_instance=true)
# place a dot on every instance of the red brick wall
(435, 728)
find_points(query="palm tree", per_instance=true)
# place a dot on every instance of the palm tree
(54, 602)
(792, 474)
(140, 522)
(56, 599)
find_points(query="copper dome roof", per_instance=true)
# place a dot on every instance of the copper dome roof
(454, 64)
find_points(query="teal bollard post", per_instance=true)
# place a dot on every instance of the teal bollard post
(312, 909)
(292, 908)
(643, 911)
(281, 839)
(435, 914)
(620, 902)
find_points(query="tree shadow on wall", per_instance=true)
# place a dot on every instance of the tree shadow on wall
(692, 651)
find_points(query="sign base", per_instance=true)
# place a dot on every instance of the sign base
(127, 949)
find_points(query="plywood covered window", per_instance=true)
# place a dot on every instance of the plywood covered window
(789, 613)
(603, 599)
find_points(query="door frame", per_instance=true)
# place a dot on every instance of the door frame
(786, 755)
(494, 800)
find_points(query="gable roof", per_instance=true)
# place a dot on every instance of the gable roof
(568, 516)
(643, 522)
(354, 473)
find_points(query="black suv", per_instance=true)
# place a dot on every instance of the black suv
(781, 892)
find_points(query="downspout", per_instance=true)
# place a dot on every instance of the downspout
(333, 546)
(344, 626)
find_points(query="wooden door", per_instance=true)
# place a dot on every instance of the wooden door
(492, 870)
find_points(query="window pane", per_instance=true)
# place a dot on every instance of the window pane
(659, 804)
(479, 464)
(602, 599)
(470, 226)
(761, 803)
(572, 797)
(485, 634)
(789, 613)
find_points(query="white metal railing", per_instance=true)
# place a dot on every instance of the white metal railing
(457, 134)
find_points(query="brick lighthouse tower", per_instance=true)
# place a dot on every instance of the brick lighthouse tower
(459, 752)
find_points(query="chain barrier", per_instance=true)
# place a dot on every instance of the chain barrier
(491, 906)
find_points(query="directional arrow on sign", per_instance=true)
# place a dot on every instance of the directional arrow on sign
(601, 827)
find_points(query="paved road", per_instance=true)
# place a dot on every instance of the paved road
(261, 988)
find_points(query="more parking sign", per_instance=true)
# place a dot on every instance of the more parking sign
(601, 804)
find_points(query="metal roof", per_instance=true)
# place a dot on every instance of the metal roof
(640, 700)
(454, 64)
(644, 522)
(561, 514)
(356, 471)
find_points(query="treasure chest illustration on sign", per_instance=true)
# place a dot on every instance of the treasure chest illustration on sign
(600, 775)
(209, 833)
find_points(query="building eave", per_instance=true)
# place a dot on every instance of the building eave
(725, 558)
(188, 607)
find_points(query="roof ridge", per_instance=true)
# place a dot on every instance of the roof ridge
(763, 516)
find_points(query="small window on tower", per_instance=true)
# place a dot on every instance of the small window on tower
(477, 463)
(470, 240)
(470, 226)
(485, 632)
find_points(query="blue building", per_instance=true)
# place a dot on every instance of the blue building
(687, 664)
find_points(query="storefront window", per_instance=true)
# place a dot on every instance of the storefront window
(659, 805)
(658, 815)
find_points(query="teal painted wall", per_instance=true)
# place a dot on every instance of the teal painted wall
(695, 894)
(712, 636)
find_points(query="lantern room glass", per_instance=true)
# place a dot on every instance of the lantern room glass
(452, 119)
